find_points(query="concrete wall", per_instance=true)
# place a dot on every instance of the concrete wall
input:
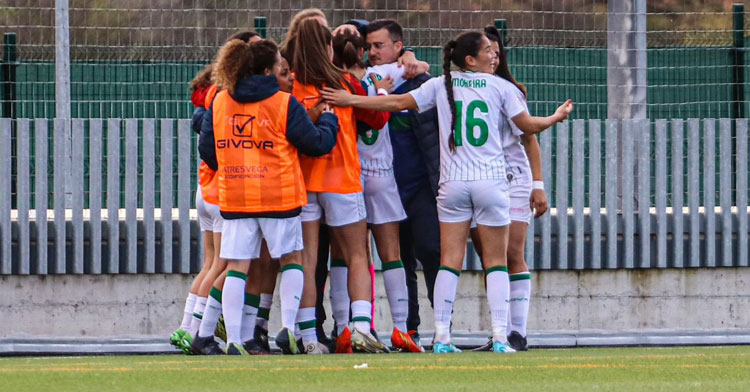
(563, 301)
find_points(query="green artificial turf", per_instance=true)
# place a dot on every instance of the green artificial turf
(629, 369)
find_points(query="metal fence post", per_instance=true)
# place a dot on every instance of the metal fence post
(260, 23)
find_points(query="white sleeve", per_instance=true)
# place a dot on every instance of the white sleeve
(426, 95)
(513, 127)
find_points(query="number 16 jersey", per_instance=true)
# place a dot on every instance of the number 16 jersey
(483, 104)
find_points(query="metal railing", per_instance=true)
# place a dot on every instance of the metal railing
(627, 194)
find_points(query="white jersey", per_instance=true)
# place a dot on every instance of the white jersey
(517, 164)
(375, 151)
(483, 104)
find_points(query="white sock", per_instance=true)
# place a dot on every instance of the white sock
(444, 294)
(398, 296)
(290, 291)
(264, 311)
(232, 301)
(339, 294)
(249, 314)
(187, 313)
(498, 292)
(306, 323)
(361, 315)
(211, 313)
(197, 318)
(520, 297)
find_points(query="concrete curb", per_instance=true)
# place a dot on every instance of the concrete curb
(57, 346)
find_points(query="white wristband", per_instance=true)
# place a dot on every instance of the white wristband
(537, 185)
(382, 91)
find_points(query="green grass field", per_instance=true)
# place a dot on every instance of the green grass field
(630, 369)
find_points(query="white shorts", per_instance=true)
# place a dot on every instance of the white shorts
(340, 209)
(209, 216)
(382, 200)
(242, 238)
(520, 205)
(485, 200)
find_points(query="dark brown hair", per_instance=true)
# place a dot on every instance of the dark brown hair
(202, 79)
(394, 29)
(466, 44)
(238, 59)
(311, 63)
(289, 43)
(502, 70)
(346, 47)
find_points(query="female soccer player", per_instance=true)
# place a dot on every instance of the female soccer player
(334, 189)
(472, 105)
(524, 167)
(253, 140)
(382, 201)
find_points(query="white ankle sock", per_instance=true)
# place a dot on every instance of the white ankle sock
(195, 322)
(361, 315)
(187, 313)
(306, 323)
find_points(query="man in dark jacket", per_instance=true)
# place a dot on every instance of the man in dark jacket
(416, 160)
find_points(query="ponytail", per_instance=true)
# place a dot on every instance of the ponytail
(232, 64)
(447, 58)
(346, 47)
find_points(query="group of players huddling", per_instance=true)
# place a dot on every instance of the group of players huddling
(295, 142)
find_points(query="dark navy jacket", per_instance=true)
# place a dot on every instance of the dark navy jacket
(416, 145)
(310, 139)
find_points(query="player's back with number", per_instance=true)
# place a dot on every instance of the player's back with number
(482, 103)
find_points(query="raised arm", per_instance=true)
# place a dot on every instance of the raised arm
(531, 124)
(391, 103)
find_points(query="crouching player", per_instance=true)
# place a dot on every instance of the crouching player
(252, 135)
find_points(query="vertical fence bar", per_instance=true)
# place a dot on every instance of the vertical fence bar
(165, 176)
(578, 190)
(709, 190)
(6, 161)
(725, 176)
(23, 190)
(77, 143)
(546, 220)
(678, 231)
(61, 176)
(149, 139)
(595, 201)
(741, 172)
(660, 191)
(694, 190)
(41, 199)
(183, 191)
(113, 195)
(95, 195)
(131, 195)
(610, 197)
(628, 169)
(561, 194)
(643, 131)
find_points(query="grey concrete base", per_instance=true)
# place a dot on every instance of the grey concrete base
(568, 308)
(159, 345)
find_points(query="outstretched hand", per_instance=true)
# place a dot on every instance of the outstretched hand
(336, 97)
(564, 110)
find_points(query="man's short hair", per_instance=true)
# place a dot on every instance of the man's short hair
(394, 29)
